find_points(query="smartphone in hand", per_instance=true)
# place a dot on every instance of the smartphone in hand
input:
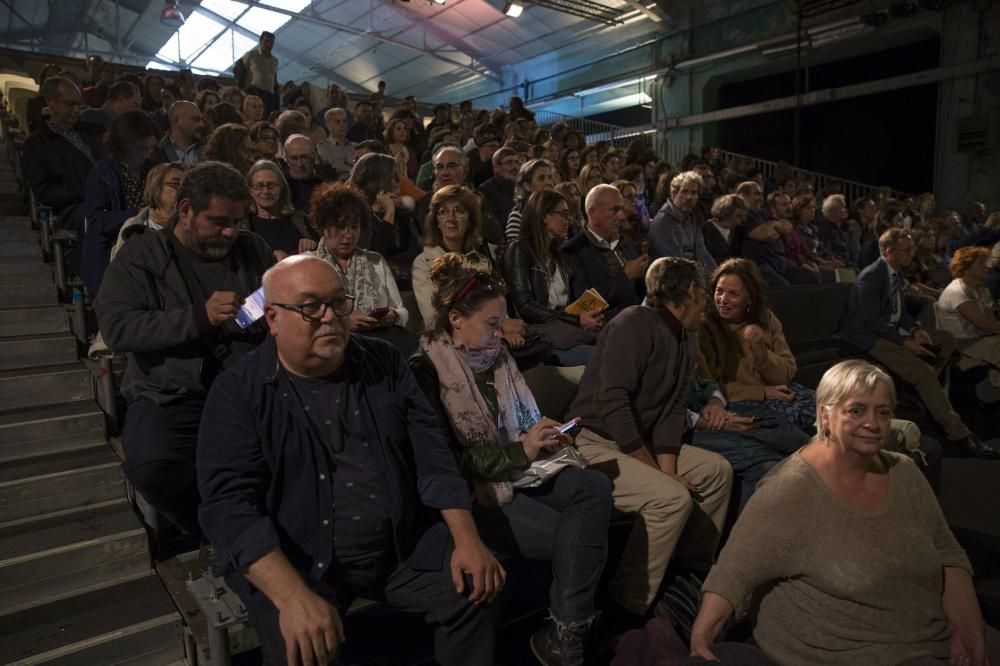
(378, 313)
(569, 425)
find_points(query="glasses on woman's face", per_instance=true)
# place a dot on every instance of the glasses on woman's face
(457, 211)
(267, 137)
(561, 212)
(265, 187)
(314, 311)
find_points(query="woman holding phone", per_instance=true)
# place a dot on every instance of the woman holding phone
(496, 433)
(337, 213)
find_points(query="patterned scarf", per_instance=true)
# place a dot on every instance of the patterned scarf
(471, 419)
(359, 278)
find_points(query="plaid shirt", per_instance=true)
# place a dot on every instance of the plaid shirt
(73, 137)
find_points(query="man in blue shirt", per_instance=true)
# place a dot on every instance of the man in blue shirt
(324, 476)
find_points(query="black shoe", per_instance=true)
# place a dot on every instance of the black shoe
(558, 644)
(974, 447)
(679, 601)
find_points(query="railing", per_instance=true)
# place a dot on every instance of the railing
(593, 130)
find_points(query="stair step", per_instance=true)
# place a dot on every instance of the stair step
(28, 320)
(42, 430)
(26, 351)
(14, 221)
(20, 234)
(14, 248)
(46, 484)
(34, 387)
(131, 621)
(19, 296)
(57, 554)
(24, 270)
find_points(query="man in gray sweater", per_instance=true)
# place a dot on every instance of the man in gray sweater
(631, 401)
(675, 232)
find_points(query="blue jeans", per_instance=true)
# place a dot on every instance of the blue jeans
(565, 521)
(573, 356)
(801, 411)
(749, 457)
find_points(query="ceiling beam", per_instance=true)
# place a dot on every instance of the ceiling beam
(428, 24)
(372, 35)
(650, 14)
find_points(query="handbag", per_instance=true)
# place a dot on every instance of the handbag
(544, 468)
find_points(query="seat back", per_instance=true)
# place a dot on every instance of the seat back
(554, 388)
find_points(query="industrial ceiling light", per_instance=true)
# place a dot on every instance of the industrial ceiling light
(512, 9)
(171, 15)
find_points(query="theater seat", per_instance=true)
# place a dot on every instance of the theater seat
(554, 389)
(810, 316)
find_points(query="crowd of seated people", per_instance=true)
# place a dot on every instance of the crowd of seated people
(188, 197)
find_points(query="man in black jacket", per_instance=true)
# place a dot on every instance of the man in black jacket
(169, 300)
(326, 475)
(58, 156)
(498, 194)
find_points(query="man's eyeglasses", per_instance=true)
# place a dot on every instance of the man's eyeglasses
(298, 159)
(450, 166)
(314, 311)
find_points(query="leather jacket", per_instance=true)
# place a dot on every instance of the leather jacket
(528, 285)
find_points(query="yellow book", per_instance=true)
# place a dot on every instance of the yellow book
(589, 301)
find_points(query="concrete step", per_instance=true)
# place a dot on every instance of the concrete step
(43, 430)
(19, 296)
(54, 555)
(20, 234)
(41, 485)
(24, 270)
(28, 320)
(14, 209)
(131, 622)
(29, 351)
(40, 386)
(15, 221)
(20, 248)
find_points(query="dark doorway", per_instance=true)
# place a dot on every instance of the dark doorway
(881, 139)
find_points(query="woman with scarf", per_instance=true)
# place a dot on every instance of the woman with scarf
(337, 212)
(496, 432)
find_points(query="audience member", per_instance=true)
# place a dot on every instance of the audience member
(257, 73)
(230, 143)
(221, 114)
(390, 231)
(744, 349)
(538, 275)
(674, 232)
(160, 198)
(168, 301)
(631, 401)
(336, 150)
(264, 136)
(600, 259)
(834, 232)
(252, 110)
(570, 190)
(876, 322)
(535, 175)
(496, 432)
(721, 238)
(777, 558)
(206, 99)
(364, 127)
(498, 194)
(590, 177)
(307, 513)
(803, 211)
(450, 168)
(487, 142)
(453, 224)
(122, 96)
(114, 191)
(965, 310)
(272, 215)
(36, 105)
(183, 140)
(303, 173)
(58, 156)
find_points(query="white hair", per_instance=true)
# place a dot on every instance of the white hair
(833, 200)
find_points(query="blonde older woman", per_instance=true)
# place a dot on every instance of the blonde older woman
(160, 197)
(272, 215)
(880, 579)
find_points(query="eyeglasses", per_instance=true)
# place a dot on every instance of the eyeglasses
(564, 214)
(267, 137)
(456, 211)
(450, 166)
(260, 187)
(300, 158)
(314, 311)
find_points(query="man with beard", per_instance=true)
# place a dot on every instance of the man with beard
(674, 231)
(182, 143)
(168, 301)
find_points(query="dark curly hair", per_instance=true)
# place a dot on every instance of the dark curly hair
(337, 205)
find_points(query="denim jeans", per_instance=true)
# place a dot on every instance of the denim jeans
(573, 356)
(801, 411)
(750, 459)
(565, 521)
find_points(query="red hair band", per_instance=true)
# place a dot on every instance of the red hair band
(465, 289)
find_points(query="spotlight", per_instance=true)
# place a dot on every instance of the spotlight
(171, 15)
(512, 9)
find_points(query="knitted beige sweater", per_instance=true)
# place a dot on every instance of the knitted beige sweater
(837, 584)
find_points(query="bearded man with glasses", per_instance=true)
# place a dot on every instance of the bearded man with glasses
(325, 476)
(168, 302)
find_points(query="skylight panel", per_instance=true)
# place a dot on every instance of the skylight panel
(220, 56)
(227, 8)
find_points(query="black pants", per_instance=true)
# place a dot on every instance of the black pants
(465, 632)
(160, 442)
(793, 275)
